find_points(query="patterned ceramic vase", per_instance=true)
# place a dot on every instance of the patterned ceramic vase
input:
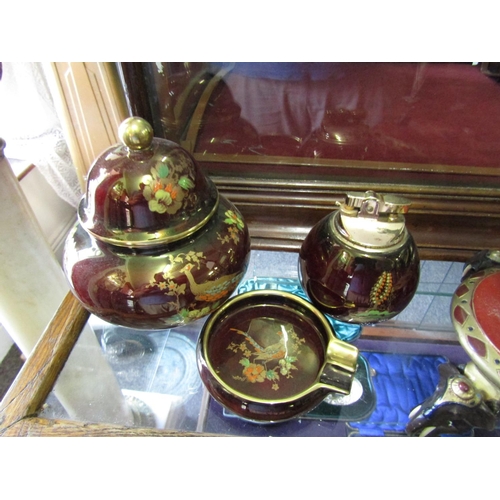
(155, 245)
(360, 264)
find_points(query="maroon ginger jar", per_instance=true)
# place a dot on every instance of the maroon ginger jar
(155, 245)
(360, 264)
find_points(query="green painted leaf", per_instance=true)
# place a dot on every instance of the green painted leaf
(163, 170)
(186, 183)
(245, 362)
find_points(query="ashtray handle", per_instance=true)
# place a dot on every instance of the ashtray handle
(340, 367)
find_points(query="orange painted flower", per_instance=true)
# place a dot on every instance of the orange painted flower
(255, 373)
(171, 190)
(161, 192)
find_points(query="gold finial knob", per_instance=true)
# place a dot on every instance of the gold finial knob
(136, 133)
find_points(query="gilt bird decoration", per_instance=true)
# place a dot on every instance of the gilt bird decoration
(277, 350)
(210, 291)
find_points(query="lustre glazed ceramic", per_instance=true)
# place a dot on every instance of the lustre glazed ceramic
(475, 313)
(269, 356)
(155, 245)
(467, 397)
(360, 264)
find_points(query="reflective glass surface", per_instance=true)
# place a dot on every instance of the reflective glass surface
(157, 374)
(414, 113)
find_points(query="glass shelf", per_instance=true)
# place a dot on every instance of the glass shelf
(157, 373)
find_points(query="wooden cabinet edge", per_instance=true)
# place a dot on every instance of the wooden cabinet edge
(90, 102)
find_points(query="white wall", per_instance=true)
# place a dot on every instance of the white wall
(56, 217)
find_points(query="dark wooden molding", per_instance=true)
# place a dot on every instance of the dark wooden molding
(280, 213)
(133, 78)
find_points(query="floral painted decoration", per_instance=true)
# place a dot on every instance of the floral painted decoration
(164, 190)
(235, 227)
(266, 363)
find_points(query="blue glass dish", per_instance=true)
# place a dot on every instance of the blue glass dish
(347, 332)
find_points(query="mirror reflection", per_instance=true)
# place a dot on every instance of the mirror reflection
(285, 141)
(427, 115)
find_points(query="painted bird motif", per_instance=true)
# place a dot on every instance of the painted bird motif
(210, 291)
(278, 350)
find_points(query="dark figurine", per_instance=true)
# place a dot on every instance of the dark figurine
(455, 408)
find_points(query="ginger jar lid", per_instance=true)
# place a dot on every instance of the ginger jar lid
(145, 191)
